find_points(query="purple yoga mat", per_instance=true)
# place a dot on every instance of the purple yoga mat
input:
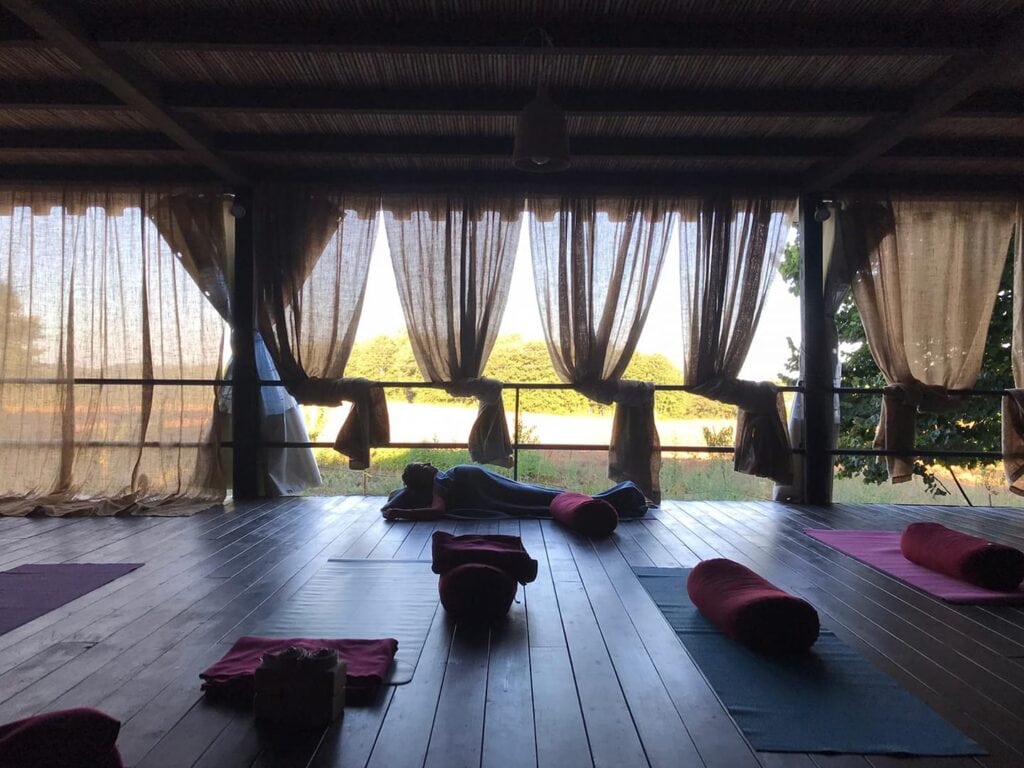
(881, 549)
(29, 591)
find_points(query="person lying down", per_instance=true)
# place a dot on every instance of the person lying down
(471, 492)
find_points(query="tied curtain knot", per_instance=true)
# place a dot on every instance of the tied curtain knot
(1013, 439)
(898, 423)
(634, 451)
(367, 425)
(762, 441)
(489, 439)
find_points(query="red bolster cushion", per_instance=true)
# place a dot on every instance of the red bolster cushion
(751, 609)
(504, 552)
(69, 738)
(962, 556)
(477, 592)
(584, 514)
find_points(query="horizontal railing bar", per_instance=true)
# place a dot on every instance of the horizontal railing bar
(124, 381)
(514, 385)
(954, 392)
(521, 446)
(108, 444)
(924, 453)
(127, 381)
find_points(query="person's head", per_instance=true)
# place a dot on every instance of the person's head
(419, 476)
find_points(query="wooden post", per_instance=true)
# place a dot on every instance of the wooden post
(815, 363)
(245, 403)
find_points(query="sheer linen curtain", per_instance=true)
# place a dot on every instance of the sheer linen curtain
(730, 248)
(924, 275)
(596, 263)
(453, 258)
(1013, 400)
(313, 247)
(199, 228)
(91, 290)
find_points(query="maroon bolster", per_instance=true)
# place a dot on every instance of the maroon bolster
(477, 592)
(962, 556)
(69, 737)
(751, 609)
(505, 552)
(584, 514)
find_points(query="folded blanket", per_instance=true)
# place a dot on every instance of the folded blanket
(477, 592)
(962, 556)
(232, 678)
(70, 738)
(584, 514)
(751, 609)
(504, 552)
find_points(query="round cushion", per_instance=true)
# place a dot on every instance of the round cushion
(69, 737)
(475, 591)
(584, 514)
(962, 556)
(751, 609)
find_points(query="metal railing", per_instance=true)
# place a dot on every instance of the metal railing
(517, 388)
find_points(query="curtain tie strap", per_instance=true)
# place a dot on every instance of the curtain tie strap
(485, 390)
(330, 392)
(622, 392)
(915, 394)
(754, 396)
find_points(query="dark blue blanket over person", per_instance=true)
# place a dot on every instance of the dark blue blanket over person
(472, 492)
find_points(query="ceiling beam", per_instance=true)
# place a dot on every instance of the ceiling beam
(501, 146)
(508, 103)
(606, 37)
(956, 81)
(679, 183)
(133, 88)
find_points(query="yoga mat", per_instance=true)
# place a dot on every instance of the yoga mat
(828, 700)
(29, 591)
(881, 550)
(366, 599)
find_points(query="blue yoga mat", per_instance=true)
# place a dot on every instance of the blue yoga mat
(830, 700)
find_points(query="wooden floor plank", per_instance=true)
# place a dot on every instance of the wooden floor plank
(584, 672)
(611, 732)
(508, 713)
(456, 737)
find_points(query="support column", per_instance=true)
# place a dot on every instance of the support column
(815, 363)
(245, 403)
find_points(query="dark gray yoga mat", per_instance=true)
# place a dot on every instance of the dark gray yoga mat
(360, 599)
(829, 700)
(29, 591)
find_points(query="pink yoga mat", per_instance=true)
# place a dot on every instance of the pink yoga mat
(881, 549)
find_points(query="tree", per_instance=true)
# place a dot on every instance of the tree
(19, 337)
(975, 427)
(390, 358)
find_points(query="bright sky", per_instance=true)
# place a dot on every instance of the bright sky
(382, 312)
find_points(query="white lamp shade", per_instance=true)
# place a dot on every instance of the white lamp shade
(541, 140)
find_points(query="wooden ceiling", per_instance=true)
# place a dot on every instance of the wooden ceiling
(814, 95)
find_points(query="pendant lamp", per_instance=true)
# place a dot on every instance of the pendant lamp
(541, 142)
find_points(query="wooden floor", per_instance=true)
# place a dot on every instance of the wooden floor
(586, 672)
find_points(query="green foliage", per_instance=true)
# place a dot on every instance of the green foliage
(20, 335)
(976, 427)
(718, 438)
(390, 358)
(789, 267)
